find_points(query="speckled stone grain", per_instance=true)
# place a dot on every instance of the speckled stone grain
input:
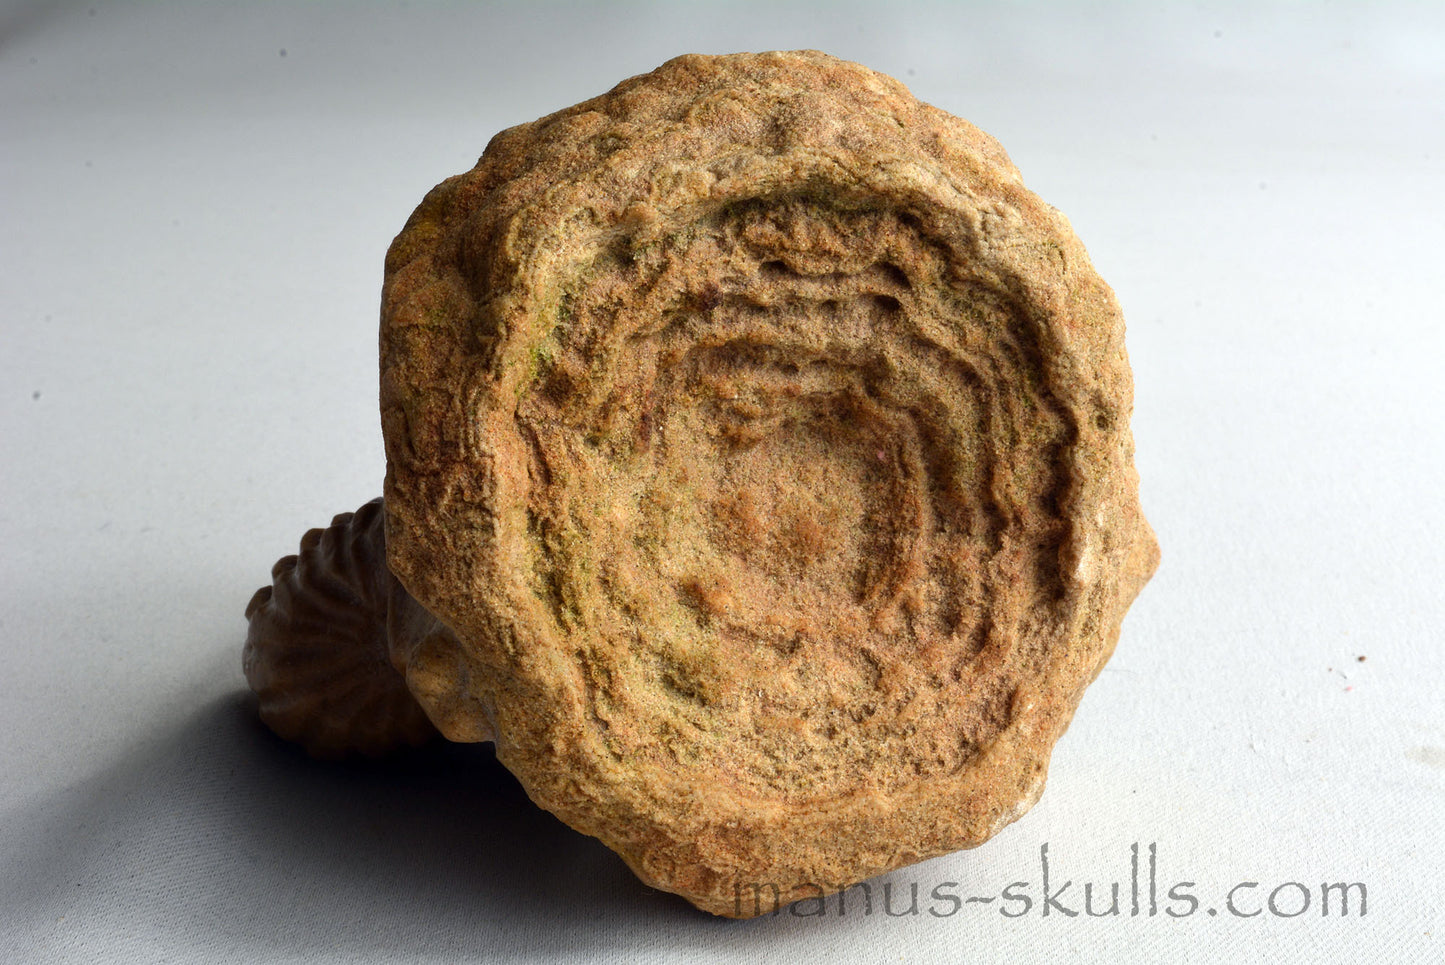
(763, 443)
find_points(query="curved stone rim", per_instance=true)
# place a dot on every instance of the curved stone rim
(437, 441)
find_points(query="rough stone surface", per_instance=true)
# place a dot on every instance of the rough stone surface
(762, 447)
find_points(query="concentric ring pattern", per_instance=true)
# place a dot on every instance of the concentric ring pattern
(765, 444)
(780, 485)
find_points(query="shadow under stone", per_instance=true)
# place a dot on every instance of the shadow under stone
(218, 833)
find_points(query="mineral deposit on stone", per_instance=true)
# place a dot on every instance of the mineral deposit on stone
(759, 480)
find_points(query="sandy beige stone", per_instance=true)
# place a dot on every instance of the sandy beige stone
(759, 479)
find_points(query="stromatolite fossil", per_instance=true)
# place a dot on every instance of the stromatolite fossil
(759, 479)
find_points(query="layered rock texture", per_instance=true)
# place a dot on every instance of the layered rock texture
(759, 479)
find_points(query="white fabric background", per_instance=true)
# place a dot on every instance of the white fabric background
(194, 224)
